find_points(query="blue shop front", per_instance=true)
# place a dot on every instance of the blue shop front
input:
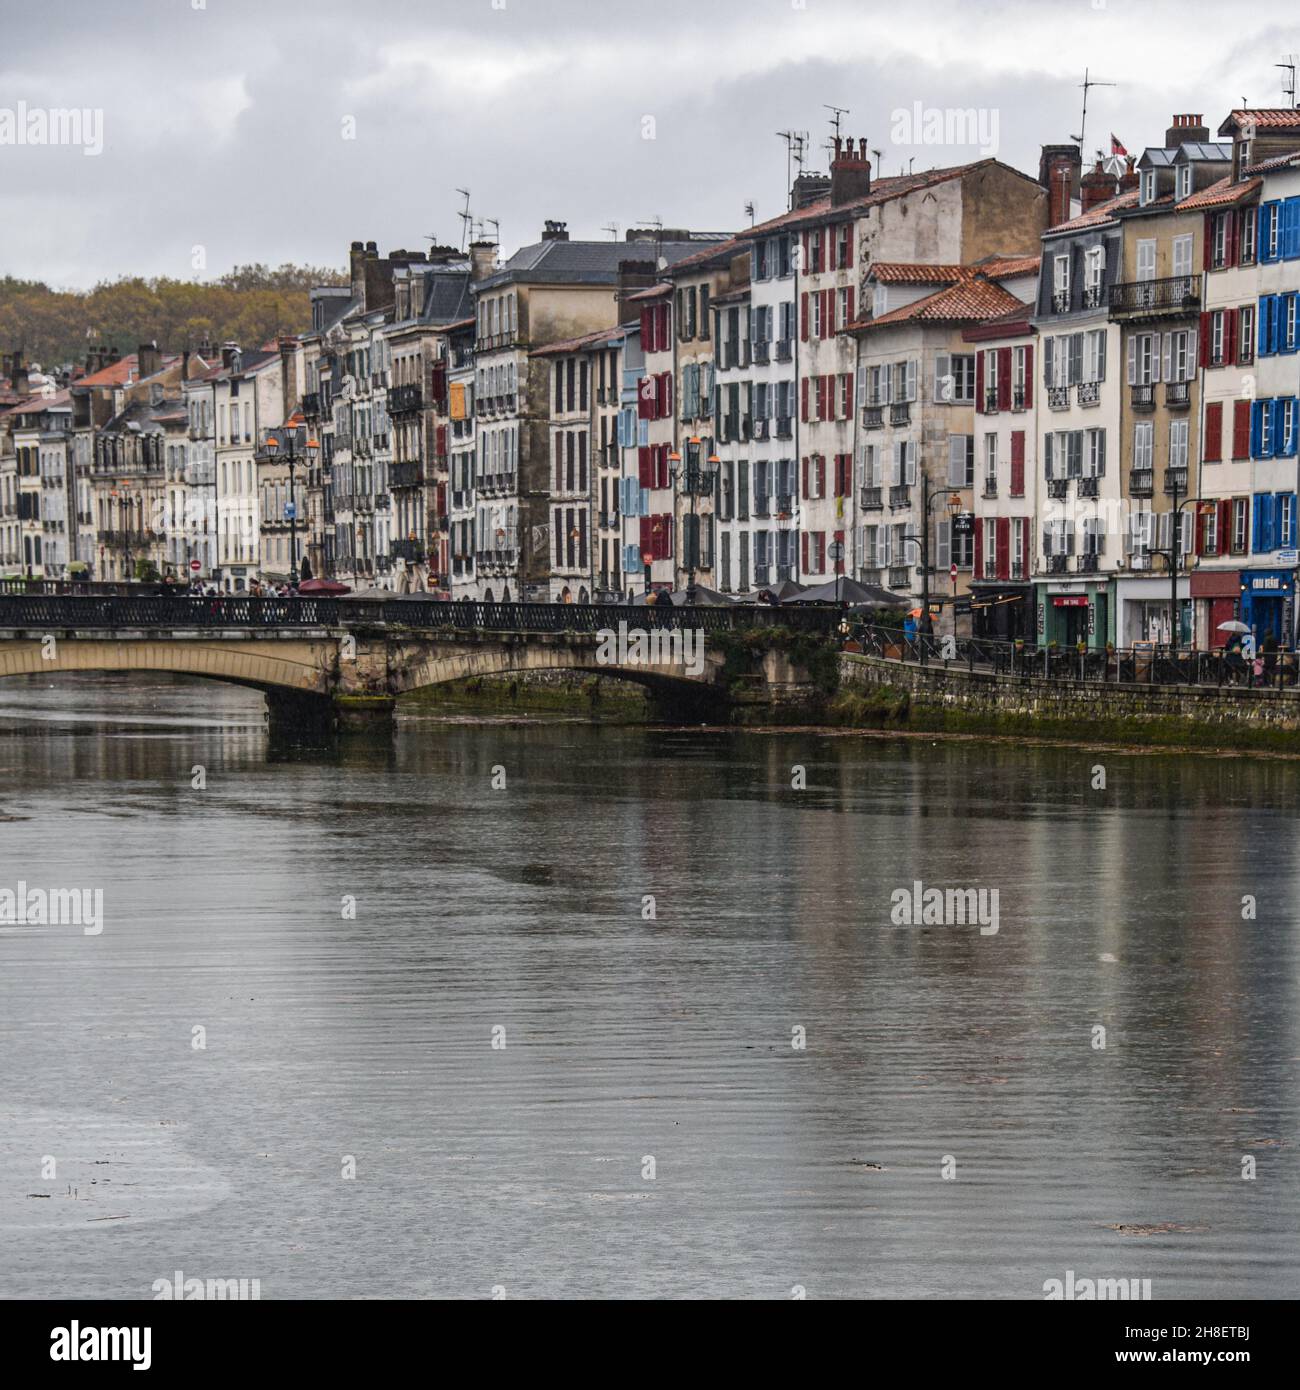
(1268, 603)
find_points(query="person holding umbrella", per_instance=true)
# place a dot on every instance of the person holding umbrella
(1233, 656)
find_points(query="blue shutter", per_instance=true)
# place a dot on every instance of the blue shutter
(1261, 234)
(1274, 321)
(1291, 229)
(1256, 515)
(1295, 426)
(1256, 421)
(1270, 523)
(1277, 449)
(1263, 325)
(1288, 540)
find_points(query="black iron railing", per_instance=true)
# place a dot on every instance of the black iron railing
(60, 612)
(1152, 665)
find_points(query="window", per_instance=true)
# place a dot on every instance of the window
(963, 377)
(1184, 181)
(1246, 251)
(1018, 525)
(1061, 281)
(990, 463)
(990, 549)
(1219, 244)
(815, 311)
(1148, 190)
(1240, 510)
(1146, 258)
(1270, 230)
(1182, 255)
(1094, 355)
(1245, 335)
(1094, 458)
(1178, 444)
(1143, 445)
(1095, 268)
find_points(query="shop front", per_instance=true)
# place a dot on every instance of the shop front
(1070, 611)
(1267, 604)
(1002, 611)
(1144, 611)
(1215, 595)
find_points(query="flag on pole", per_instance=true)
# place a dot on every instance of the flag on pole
(1115, 146)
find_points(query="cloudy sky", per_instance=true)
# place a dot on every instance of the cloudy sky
(281, 132)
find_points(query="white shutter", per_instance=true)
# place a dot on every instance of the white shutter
(1169, 358)
(886, 384)
(1191, 355)
(899, 447)
(956, 460)
(1049, 362)
(862, 384)
(943, 544)
(942, 370)
(1132, 362)
(911, 462)
(911, 381)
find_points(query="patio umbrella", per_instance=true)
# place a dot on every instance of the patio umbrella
(852, 593)
(1232, 626)
(322, 586)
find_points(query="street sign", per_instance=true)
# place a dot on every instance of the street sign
(195, 566)
(953, 572)
(1288, 557)
(836, 551)
(290, 511)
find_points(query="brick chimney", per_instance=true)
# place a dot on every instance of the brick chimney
(149, 359)
(809, 188)
(850, 172)
(633, 276)
(555, 231)
(288, 373)
(1097, 186)
(1186, 128)
(357, 269)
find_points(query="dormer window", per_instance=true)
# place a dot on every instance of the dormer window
(1184, 181)
(1148, 191)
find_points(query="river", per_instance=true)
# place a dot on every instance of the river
(447, 1046)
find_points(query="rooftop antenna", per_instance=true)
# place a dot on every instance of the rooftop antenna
(1087, 84)
(836, 113)
(612, 229)
(879, 156)
(1288, 83)
(465, 220)
(496, 228)
(800, 145)
(789, 136)
(749, 211)
(658, 224)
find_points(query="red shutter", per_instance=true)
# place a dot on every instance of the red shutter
(1207, 249)
(838, 538)
(848, 379)
(828, 301)
(1213, 443)
(849, 262)
(851, 288)
(644, 400)
(663, 339)
(979, 383)
(1225, 526)
(1206, 338)
(804, 493)
(979, 548)
(1231, 250)
(1004, 378)
(1003, 559)
(807, 263)
(664, 479)
(803, 400)
(668, 394)
(1029, 380)
(803, 317)
(803, 547)
(644, 469)
(1017, 463)
(645, 538)
(821, 475)
(1241, 429)
(647, 330)
(1229, 336)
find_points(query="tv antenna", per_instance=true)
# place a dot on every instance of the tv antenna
(496, 229)
(612, 229)
(1288, 82)
(466, 222)
(749, 211)
(1087, 84)
(880, 154)
(836, 113)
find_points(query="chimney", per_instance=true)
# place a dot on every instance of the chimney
(482, 259)
(149, 359)
(555, 231)
(357, 269)
(229, 351)
(288, 373)
(1096, 187)
(18, 373)
(809, 188)
(850, 172)
(1129, 179)
(1186, 128)
(633, 276)
(1060, 180)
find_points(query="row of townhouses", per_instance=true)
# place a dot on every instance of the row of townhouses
(1059, 407)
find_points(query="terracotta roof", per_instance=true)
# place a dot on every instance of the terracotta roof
(913, 273)
(973, 298)
(1277, 161)
(1269, 118)
(114, 375)
(654, 292)
(720, 250)
(1094, 217)
(584, 340)
(1013, 324)
(1221, 194)
(883, 190)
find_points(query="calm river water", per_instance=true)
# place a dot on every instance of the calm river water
(647, 1129)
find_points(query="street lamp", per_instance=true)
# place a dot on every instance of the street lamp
(926, 627)
(1203, 507)
(292, 444)
(698, 479)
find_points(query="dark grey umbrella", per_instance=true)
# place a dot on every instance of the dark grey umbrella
(854, 594)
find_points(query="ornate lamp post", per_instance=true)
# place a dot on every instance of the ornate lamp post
(292, 444)
(926, 627)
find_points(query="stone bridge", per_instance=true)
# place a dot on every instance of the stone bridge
(324, 663)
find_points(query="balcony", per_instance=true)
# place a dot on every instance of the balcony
(410, 551)
(402, 400)
(784, 349)
(990, 487)
(873, 417)
(1090, 393)
(784, 427)
(761, 428)
(784, 504)
(1061, 302)
(1178, 394)
(405, 475)
(900, 495)
(311, 405)
(1144, 397)
(1141, 482)
(900, 577)
(784, 572)
(1058, 487)
(762, 350)
(872, 499)
(1176, 482)
(900, 414)
(1058, 398)
(761, 573)
(1089, 487)
(762, 504)
(1177, 296)
(1056, 564)
(1093, 297)
(1088, 563)
(1018, 397)
(991, 401)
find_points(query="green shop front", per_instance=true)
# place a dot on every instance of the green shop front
(1069, 611)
